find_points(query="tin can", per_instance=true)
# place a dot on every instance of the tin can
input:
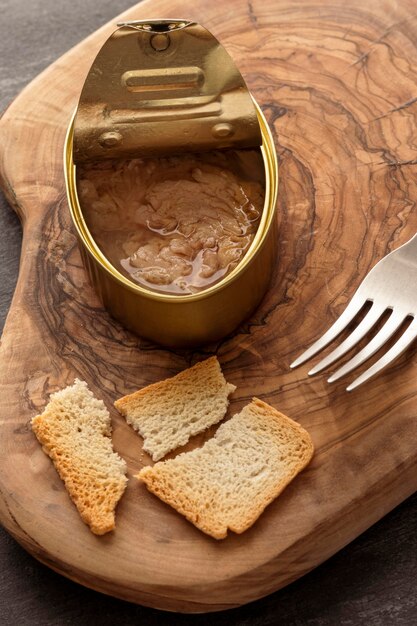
(211, 314)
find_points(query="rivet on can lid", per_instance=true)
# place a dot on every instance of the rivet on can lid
(223, 130)
(108, 140)
(160, 42)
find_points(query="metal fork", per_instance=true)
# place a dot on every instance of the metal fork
(390, 285)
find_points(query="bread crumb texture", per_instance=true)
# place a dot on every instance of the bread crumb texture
(230, 480)
(75, 432)
(168, 413)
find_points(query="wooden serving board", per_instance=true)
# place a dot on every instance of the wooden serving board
(338, 84)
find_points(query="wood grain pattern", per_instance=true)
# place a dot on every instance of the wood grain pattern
(338, 83)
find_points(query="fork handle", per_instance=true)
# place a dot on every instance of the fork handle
(409, 249)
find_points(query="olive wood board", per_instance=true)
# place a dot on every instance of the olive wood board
(338, 85)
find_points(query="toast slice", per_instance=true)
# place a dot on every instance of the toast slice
(168, 413)
(230, 480)
(75, 432)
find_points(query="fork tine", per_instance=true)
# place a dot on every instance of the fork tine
(340, 324)
(355, 336)
(386, 332)
(397, 349)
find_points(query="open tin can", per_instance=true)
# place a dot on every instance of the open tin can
(158, 88)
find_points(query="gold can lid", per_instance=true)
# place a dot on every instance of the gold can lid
(159, 87)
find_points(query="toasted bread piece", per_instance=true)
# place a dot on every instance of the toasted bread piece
(230, 480)
(168, 413)
(75, 431)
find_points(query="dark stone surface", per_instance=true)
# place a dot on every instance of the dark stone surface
(371, 582)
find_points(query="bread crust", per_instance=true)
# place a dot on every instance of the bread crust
(78, 440)
(167, 413)
(259, 421)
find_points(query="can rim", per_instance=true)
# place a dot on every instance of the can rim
(271, 191)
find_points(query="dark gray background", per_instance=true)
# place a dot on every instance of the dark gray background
(371, 582)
